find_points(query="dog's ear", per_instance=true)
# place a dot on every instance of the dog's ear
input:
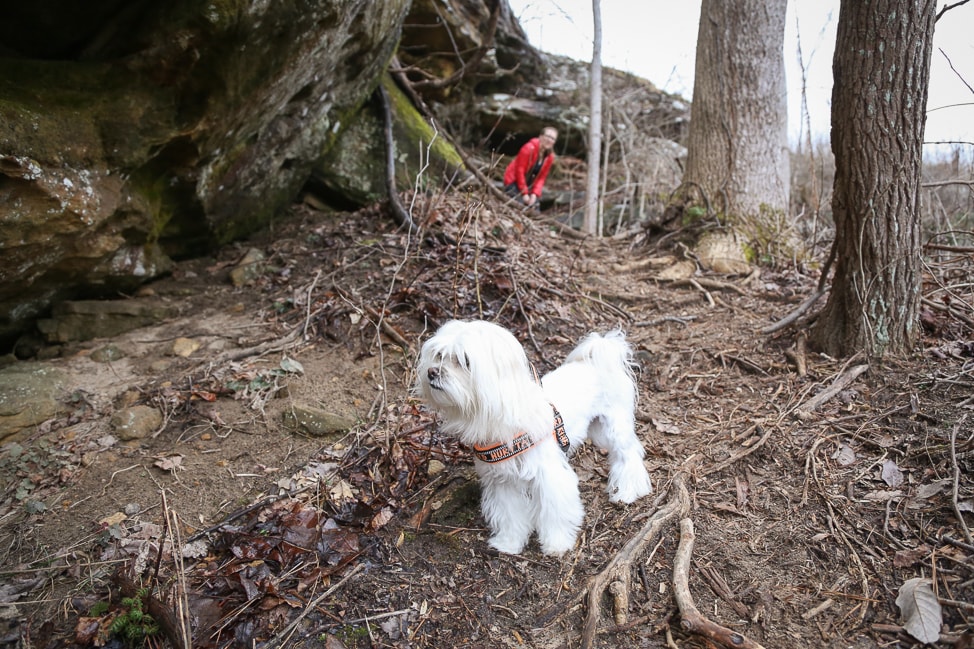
(500, 374)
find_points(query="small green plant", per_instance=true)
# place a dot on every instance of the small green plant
(133, 625)
(98, 609)
(351, 634)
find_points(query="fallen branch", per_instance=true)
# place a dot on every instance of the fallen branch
(691, 619)
(737, 456)
(268, 347)
(618, 572)
(390, 331)
(700, 283)
(953, 461)
(794, 315)
(840, 384)
(399, 213)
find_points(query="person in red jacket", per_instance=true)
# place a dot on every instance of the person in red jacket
(527, 172)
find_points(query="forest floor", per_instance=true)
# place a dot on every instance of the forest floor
(808, 519)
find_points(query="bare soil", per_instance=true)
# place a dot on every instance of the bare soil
(807, 522)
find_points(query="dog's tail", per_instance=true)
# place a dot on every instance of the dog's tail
(609, 351)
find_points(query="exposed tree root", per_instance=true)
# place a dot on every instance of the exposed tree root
(620, 568)
(615, 578)
(841, 383)
(691, 619)
(798, 356)
(793, 317)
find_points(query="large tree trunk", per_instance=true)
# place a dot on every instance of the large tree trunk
(591, 222)
(881, 72)
(738, 147)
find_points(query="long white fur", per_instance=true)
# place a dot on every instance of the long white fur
(476, 376)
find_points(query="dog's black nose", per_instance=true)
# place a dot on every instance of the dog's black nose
(433, 373)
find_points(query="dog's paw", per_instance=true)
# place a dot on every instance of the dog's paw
(507, 544)
(631, 488)
(556, 549)
(555, 542)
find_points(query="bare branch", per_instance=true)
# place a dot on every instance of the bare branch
(948, 183)
(949, 7)
(951, 63)
(399, 212)
(840, 384)
(690, 616)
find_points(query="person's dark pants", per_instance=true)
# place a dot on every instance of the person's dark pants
(512, 191)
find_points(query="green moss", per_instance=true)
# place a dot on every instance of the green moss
(771, 236)
(415, 129)
(350, 634)
(79, 113)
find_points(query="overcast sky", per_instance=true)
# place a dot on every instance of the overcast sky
(656, 40)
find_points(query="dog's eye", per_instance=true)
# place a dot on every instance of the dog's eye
(466, 361)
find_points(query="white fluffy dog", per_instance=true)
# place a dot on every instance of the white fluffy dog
(476, 376)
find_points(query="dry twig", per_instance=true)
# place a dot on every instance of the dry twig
(691, 619)
(738, 456)
(619, 568)
(794, 315)
(282, 637)
(956, 467)
(838, 385)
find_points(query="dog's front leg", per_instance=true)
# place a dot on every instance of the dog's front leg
(507, 509)
(558, 506)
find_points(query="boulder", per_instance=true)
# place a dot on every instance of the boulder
(90, 319)
(136, 422)
(134, 133)
(353, 173)
(28, 396)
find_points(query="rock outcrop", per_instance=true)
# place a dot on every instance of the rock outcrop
(132, 134)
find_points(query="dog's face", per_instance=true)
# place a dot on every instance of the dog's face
(471, 372)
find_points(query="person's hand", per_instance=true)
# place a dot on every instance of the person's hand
(529, 199)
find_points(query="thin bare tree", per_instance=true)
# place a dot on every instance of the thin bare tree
(590, 223)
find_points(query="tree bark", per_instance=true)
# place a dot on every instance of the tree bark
(591, 221)
(881, 75)
(738, 139)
